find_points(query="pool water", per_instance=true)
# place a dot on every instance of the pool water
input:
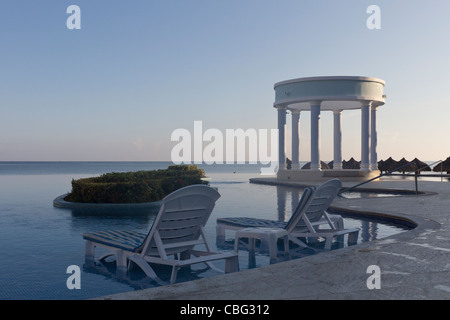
(39, 242)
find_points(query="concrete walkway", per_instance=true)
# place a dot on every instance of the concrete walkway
(414, 264)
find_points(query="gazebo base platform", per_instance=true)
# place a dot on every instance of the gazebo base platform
(324, 175)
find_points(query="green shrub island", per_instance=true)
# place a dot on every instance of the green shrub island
(134, 187)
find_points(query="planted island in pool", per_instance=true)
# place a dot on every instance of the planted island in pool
(133, 187)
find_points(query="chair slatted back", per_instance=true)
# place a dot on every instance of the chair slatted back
(180, 220)
(313, 205)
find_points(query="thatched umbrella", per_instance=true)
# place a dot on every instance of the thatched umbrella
(421, 166)
(323, 165)
(443, 166)
(404, 162)
(388, 165)
(351, 164)
(380, 165)
(288, 164)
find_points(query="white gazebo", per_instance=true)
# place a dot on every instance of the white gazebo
(335, 94)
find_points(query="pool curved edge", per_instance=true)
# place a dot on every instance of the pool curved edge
(59, 202)
(297, 184)
(414, 224)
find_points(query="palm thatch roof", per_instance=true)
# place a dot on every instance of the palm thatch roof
(380, 164)
(288, 164)
(404, 162)
(331, 164)
(351, 164)
(388, 165)
(323, 165)
(443, 166)
(421, 166)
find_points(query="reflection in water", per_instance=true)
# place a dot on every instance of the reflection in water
(369, 231)
(136, 278)
(281, 203)
(283, 194)
(295, 198)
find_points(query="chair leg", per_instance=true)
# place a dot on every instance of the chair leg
(90, 249)
(286, 245)
(339, 223)
(251, 244)
(232, 264)
(341, 240)
(90, 254)
(146, 268)
(297, 241)
(353, 238)
(236, 244)
(273, 249)
(328, 242)
(121, 259)
(220, 235)
(173, 277)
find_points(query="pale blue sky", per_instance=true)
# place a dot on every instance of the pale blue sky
(138, 70)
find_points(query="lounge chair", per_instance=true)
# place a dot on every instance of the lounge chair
(309, 220)
(177, 229)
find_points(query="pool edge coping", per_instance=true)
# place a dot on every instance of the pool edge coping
(59, 202)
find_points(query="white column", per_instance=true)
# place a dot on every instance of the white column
(365, 134)
(281, 138)
(315, 135)
(337, 161)
(373, 138)
(295, 139)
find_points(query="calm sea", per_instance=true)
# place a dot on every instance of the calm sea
(39, 242)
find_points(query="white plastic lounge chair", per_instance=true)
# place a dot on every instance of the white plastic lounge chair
(307, 221)
(177, 229)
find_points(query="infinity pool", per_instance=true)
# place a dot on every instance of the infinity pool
(39, 242)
